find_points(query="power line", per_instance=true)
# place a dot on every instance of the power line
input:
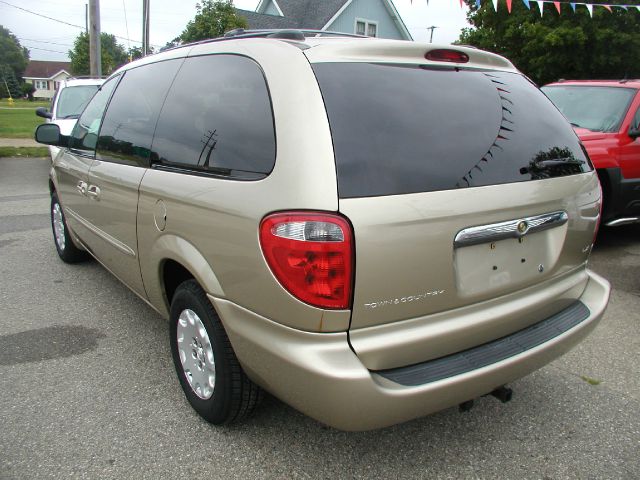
(62, 21)
(44, 49)
(44, 41)
(40, 15)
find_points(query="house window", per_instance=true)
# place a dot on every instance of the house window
(366, 27)
(41, 85)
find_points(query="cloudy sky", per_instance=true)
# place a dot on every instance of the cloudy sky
(50, 40)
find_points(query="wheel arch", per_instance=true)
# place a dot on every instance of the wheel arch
(176, 260)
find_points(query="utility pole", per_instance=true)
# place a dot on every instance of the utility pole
(95, 51)
(145, 28)
(432, 28)
(86, 18)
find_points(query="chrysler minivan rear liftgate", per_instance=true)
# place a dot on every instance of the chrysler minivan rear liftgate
(380, 230)
(462, 196)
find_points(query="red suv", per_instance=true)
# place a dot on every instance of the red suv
(606, 116)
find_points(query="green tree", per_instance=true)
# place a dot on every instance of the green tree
(569, 45)
(12, 54)
(213, 18)
(113, 54)
(9, 80)
(135, 53)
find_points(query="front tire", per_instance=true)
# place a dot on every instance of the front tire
(209, 372)
(65, 247)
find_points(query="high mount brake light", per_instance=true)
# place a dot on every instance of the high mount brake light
(445, 55)
(311, 255)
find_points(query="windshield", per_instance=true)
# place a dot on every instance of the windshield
(72, 100)
(600, 109)
(401, 129)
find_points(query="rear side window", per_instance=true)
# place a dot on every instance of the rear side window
(401, 129)
(217, 118)
(128, 126)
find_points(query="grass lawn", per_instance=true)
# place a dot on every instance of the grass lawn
(19, 120)
(24, 152)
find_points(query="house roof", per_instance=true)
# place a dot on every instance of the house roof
(309, 14)
(45, 69)
(260, 21)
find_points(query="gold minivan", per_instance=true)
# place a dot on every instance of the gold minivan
(370, 230)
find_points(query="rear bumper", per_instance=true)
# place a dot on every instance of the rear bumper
(318, 373)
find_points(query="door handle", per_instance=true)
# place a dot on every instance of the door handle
(82, 187)
(94, 191)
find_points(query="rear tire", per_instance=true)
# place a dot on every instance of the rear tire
(209, 372)
(65, 247)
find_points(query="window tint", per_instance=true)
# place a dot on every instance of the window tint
(404, 129)
(600, 109)
(85, 132)
(73, 100)
(128, 126)
(217, 118)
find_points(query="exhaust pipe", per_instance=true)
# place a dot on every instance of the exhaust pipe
(504, 394)
(622, 221)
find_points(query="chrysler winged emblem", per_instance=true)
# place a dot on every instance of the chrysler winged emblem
(523, 227)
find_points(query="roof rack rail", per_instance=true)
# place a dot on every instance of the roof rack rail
(87, 77)
(286, 34)
(281, 34)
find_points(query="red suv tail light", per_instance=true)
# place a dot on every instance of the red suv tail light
(311, 255)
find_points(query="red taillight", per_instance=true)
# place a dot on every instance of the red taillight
(444, 55)
(311, 255)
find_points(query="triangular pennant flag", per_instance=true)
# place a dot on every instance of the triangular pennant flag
(608, 7)
(478, 3)
(590, 8)
(508, 5)
(557, 4)
(460, 3)
(540, 4)
(526, 4)
(573, 7)
(495, 5)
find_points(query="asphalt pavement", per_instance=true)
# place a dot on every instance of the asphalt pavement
(88, 389)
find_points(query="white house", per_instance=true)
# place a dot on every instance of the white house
(45, 76)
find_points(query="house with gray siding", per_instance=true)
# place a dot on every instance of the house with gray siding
(373, 18)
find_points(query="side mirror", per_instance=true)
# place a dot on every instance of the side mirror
(634, 132)
(42, 112)
(49, 134)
